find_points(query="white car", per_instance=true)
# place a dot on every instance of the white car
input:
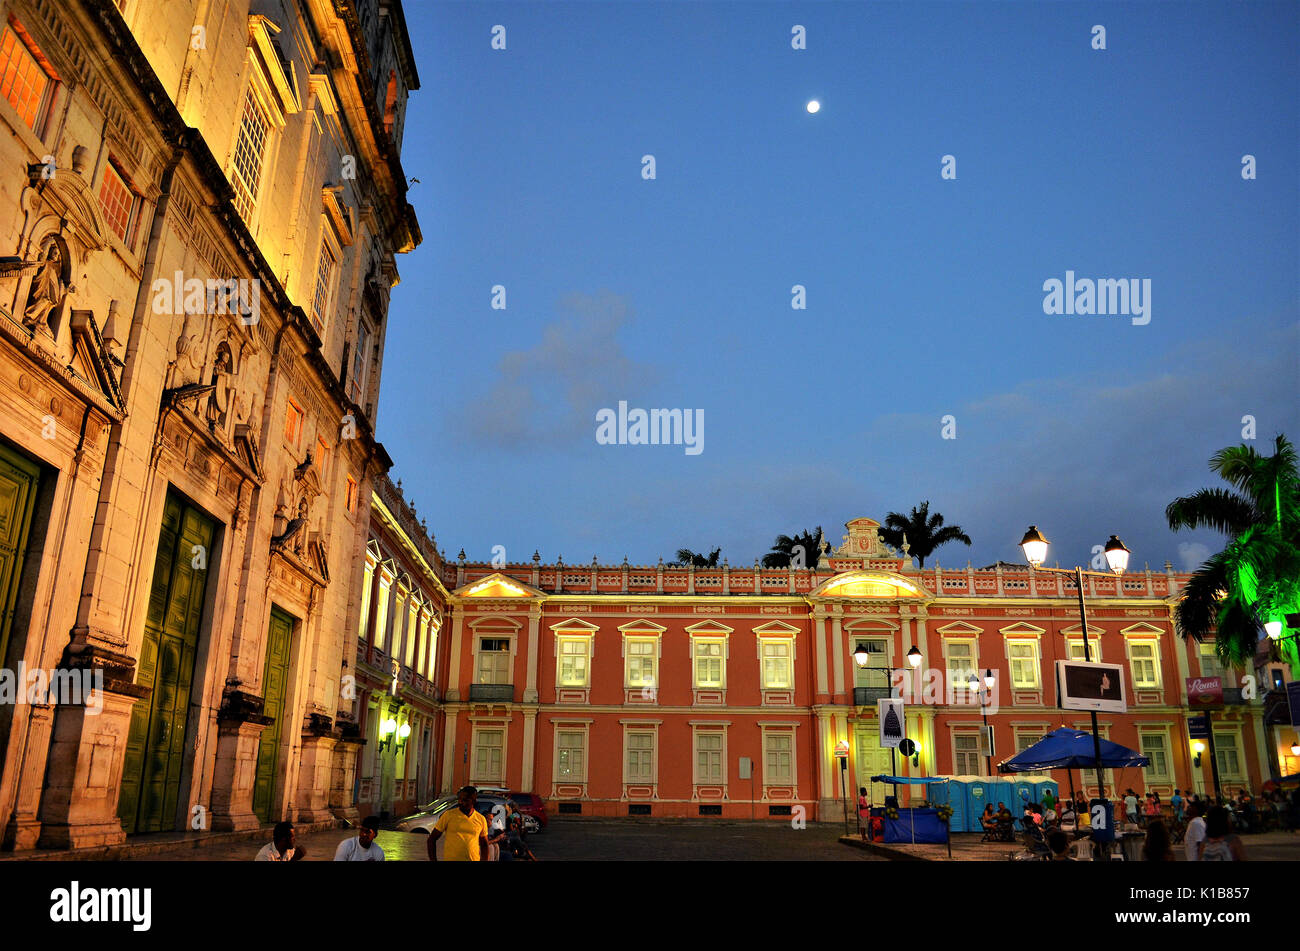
(424, 820)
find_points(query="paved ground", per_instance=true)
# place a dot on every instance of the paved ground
(570, 839)
(1263, 847)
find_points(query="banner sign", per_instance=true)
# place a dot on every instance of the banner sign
(1198, 728)
(1205, 691)
(893, 725)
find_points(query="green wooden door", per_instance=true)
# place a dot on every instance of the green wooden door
(275, 682)
(18, 480)
(151, 773)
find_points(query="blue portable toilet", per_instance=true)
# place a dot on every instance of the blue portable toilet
(959, 799)
(1004, 790)
(1041, 785)
(1024, 792)
(978, 795)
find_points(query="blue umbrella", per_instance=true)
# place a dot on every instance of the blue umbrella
(1071, 749)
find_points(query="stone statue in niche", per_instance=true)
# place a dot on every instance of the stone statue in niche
(48, 288)
(187, 368)
(221, 397)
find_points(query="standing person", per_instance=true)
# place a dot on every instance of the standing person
(1195, 833)
(361, 847)
(1220, 844)
(1157, 847)
(864, 811)
(1049, 801)
(283, 846)
(1152, 808)
(1177, 802)
(1131, 806)
(465, 828)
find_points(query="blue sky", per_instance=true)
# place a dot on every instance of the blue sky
(924, 296)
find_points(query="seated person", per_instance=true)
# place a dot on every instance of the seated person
(1003, 813)
(989, 819)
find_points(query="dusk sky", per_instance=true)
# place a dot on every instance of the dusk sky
(924, 296)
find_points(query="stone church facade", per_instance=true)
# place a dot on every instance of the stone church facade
(200, 209)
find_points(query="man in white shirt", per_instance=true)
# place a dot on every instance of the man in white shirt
(1195, 833)
(283, 846)
(363, 847)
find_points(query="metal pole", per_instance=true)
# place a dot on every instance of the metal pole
(1087, 657)
(1214, 760)
(844, 762)
(985, 716)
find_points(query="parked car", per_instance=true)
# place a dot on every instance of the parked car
(532, 806)
(424, 820)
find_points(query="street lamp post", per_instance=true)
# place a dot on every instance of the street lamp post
(1035, 547)
(989, 681)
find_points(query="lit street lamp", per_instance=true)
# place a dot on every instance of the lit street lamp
(1035, 547)
(989, 681)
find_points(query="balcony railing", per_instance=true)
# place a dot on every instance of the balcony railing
(504, 692)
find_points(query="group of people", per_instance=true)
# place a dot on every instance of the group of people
(469, 837)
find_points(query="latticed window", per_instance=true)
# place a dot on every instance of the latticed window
(779, 758)
(573, 661)
(488, 750)
(1155, 747)
(249, 153)
(118, 203)
(1146, 668)
(961, 662)
(356, 385)
(1074, 649)
(641, 662)
(571, 755)
(708, 663)
(23, 81)
(494, 660)
(324, 278)
(966, 754)
(1228, 755)
(776, 664)
(708, 757)
(640, 757)
(1024, 664)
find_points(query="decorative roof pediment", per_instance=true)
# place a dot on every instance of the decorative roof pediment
(574, 626)
(775, 629)
(709, 627)
(642, 626)
(91, 359)
(869, 584)
(959, 628)
(1142, 627)
(1020, 627)
(497, 585)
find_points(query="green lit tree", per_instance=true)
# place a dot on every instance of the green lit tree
(1256, 577)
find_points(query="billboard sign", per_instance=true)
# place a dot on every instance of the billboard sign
(1087, 686)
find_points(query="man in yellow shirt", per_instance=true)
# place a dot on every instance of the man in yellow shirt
(465, 828)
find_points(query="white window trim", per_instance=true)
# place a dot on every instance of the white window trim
(711, 729)
(641, 726)
(948, 641)
(1154, 641)
(1161, 731)
(480, 726)
(641, 635)
(698, 639)
(965, 729)
(587, 638)
(790, 641)
(782, 730)
(561, 726)
(479, 629)
(1031, 642)
(1237, 746)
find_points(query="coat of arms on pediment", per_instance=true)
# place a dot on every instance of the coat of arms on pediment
(863, 541)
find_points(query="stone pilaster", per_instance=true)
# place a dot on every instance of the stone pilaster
(234, 772)
(314, 763)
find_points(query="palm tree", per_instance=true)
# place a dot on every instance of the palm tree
(802, 549)
(687, 557)
(925, 532)
(1256, 577)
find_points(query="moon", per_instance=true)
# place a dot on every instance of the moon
(813, 105)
